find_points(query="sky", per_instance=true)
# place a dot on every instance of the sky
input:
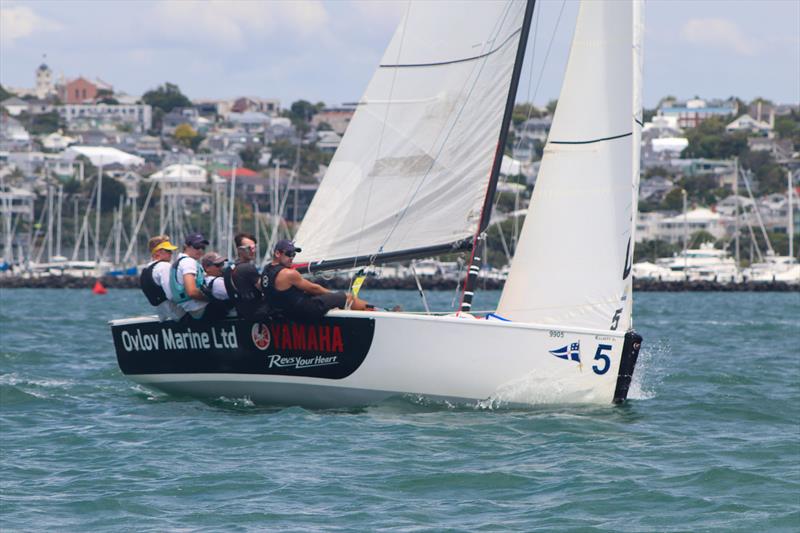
(328, 50)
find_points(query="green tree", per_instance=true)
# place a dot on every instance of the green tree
(551, 106)
(112, 190)
(185, 134)
(788, 127)
(524, 111)
(673, 201)
(700, 237)
(4, 94)
(250, 157)
(769, 176)
(651, 250)
(41, 124)
(166, 97)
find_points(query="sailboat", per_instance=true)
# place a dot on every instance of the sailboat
(415, 176)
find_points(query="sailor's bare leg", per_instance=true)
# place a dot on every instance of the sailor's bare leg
(357, 304)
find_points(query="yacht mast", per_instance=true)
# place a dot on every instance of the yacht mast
(790, 226)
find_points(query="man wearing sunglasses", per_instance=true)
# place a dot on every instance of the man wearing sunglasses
(214, 287)
(285, 289)
(187, 276)
(245, 248)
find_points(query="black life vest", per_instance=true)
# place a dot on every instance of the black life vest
(249, 303)
(284, 300)
(152, 290)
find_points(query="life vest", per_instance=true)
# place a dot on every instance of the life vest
(249, 304)
(178, 290)
(152, 290)
(284, 300)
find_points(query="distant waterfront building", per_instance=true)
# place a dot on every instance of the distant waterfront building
(140, 116)
(691, 113)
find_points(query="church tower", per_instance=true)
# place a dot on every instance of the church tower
(44, 81)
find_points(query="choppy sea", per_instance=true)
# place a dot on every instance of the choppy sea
(709, 441)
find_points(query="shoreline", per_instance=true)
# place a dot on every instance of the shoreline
(429, 284)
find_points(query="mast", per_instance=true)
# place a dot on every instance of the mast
(790, 227)
(736, 213)
(474, 265)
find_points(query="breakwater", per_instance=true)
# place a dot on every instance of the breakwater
(432, 284)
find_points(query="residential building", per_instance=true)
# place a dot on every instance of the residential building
(250, 121)
(781, 149)
(655, 188)
(57, 141)
(328, 141)
(748, 124)
(14, 106)
(103, 155)
(40, 107)
(258, 105)
(693, 112)
(178, 116)
(535, 129)
(139, 116)
(338, 118)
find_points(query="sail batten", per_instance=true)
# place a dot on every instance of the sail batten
(413, 170)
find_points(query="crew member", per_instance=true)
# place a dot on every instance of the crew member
(154, 279)
(245, 248)
(186, 276)
(214, 287)
(243, 284)
(285, 289)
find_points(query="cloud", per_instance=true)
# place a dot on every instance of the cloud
(230, 24)
(719, 33)
(18, 22)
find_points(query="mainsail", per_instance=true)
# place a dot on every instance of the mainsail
(572, 264)
(414, 169)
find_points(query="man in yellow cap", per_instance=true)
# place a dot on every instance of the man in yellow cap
(154, 279)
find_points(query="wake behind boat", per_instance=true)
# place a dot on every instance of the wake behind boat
(415, 176)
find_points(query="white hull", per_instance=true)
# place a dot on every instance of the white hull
(459, 359)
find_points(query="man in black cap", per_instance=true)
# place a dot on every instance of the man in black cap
(285, 289)
(186, 276)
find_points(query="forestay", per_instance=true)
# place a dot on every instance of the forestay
(572, 265)
(414, 167)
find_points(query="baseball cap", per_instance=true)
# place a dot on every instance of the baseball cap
(196, 239)
(164, 245)
(285, 245)
(211, 258)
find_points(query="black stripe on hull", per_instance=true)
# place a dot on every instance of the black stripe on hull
(630, 353)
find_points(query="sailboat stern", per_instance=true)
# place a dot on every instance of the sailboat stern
(630, 353)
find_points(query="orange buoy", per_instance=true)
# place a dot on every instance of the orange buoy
(98, 288)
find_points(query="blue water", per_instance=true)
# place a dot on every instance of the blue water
(710, 440)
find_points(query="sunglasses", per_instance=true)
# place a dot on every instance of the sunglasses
(248, 247)
(289, 254)
(220, 264)
(199, 246)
